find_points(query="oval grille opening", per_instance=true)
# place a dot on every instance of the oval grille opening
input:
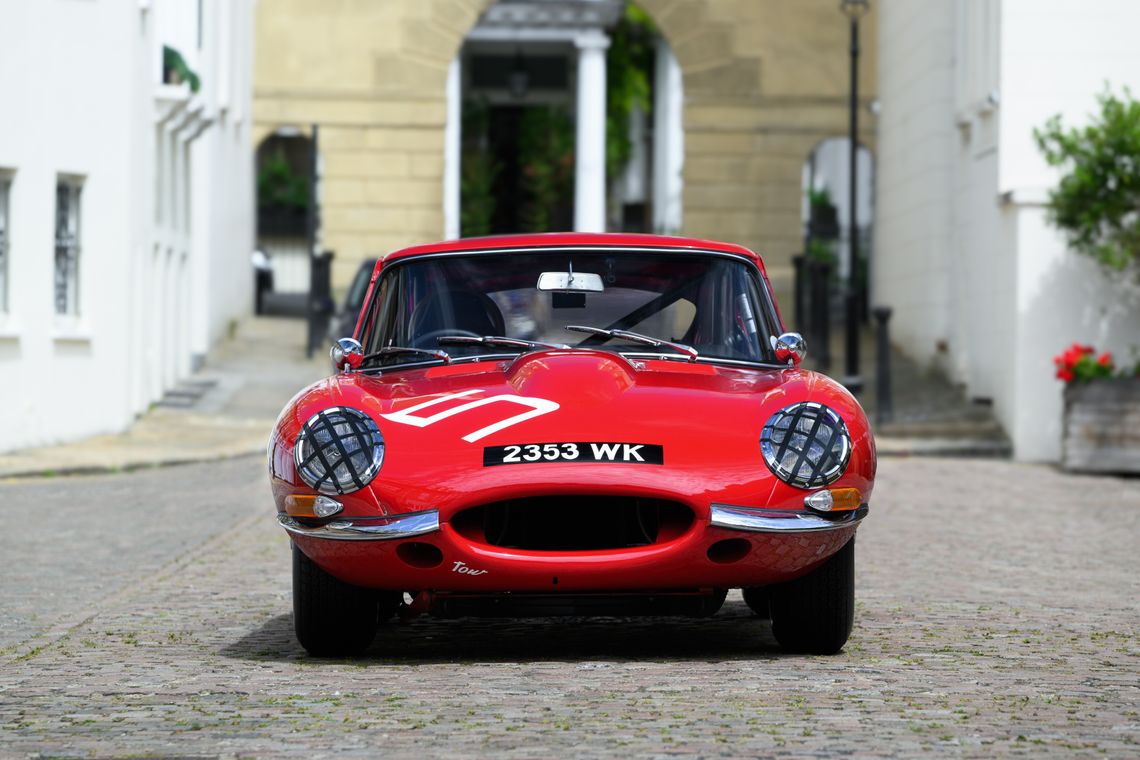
(574, 523)
(418, 554)
(729, 550)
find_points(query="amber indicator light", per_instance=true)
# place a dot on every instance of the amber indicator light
(300, 505)
(845, 499)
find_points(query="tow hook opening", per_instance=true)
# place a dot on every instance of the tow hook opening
(729, 550)
(419, 554)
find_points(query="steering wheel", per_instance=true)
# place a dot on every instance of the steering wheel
(428, 339)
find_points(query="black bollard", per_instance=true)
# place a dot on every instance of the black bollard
(798, 285)
(321, 304)
(883, 404)
(821, 312)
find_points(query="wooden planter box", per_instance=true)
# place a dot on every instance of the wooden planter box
(1102, 426)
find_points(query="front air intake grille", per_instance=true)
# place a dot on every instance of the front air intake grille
(574, 523)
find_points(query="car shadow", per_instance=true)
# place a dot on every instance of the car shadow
(733, 633)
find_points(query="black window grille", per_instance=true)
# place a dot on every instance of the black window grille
(67, 217)
(5, 235)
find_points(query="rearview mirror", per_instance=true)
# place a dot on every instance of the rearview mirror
(570, 282)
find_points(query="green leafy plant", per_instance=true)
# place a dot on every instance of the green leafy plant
(628, 63)
(175, 70)
(546, 161)
(278, 186)
(822, 250)
(819, 197)
(1097, 203)
(477, 188)
(479, 171)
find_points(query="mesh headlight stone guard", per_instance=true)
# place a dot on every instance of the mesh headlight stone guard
(806, 445)
(339, 450)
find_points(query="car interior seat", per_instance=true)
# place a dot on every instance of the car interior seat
(462, 311)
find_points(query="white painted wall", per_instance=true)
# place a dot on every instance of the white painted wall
(62, 377)
(915, 173)
(92, 113)
(964, 251)
(1061, 297)
(224, 220)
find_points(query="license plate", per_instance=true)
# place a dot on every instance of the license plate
(577, 451)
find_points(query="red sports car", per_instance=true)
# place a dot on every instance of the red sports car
(571, 424)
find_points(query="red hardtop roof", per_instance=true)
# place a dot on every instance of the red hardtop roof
(551, 239)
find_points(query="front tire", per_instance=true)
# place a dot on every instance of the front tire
(757, 600)
(332, 618)
(814, 614)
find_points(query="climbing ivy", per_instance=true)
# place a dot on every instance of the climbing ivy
(628, 66)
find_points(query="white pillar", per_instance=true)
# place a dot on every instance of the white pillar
(668, 142)
(452, 139)
(590, 148)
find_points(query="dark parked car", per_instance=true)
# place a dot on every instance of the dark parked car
(344, 321)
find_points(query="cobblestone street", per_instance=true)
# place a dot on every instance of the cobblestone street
(997, 615)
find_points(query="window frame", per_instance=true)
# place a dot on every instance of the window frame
(375, 311)
(7, 177)
(68, 247)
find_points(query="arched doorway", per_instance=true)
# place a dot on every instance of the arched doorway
(563, 116)
(283, 166)
(826, 203)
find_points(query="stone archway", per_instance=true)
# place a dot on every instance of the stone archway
(764, 81)
(827, 178)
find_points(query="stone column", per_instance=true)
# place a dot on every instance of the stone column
(590, 147)
(452, 152)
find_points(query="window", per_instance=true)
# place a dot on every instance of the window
(67, 192)
(713, 303)
(5, 236)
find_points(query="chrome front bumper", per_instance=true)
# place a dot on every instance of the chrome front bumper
(419, 523)
(382, 529)
(772, 521)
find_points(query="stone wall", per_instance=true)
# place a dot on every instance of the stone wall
(764, 80)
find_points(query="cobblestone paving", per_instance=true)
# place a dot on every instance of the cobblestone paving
(997, 616)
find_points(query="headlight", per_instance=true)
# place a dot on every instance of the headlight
(806, 444)
(339, 450)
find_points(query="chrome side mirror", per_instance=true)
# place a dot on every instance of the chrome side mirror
(347, 354)
(790, 349)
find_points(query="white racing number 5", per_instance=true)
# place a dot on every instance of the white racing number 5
(536, 407)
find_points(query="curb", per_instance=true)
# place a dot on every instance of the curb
(116, 469)
(977, 448)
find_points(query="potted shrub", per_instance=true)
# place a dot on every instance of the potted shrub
(1101, 431)
(1096, 204)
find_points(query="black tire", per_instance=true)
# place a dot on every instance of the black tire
(814, 614)
(333, 618)
(757, 600)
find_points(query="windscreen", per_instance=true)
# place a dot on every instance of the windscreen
(714, 304)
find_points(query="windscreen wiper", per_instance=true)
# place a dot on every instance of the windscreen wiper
(496, 340)
(397, 350)
(680, 348)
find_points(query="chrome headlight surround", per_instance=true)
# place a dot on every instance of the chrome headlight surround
(339, 450)
(806, 445)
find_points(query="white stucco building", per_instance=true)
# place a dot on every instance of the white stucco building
(125, 205)
(979, 281)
